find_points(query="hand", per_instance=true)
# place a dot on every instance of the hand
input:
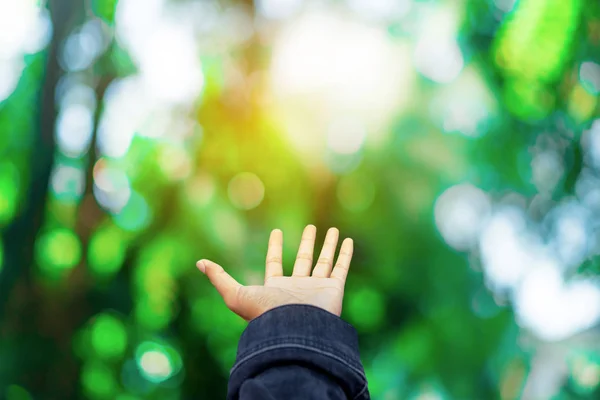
(324, 289)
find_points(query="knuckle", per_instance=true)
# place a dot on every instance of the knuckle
(218, 274)
(324, 260)
(232, 299)
(304, 256)
(274, 259)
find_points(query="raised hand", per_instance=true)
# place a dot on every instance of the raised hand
(324, 288)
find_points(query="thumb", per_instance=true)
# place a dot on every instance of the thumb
(221, 280)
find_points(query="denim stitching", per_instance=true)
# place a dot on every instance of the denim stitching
(301, 347)
(299, 339)
(302, 342)
(362, 391)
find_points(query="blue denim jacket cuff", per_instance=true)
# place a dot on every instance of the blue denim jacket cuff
(299, 333)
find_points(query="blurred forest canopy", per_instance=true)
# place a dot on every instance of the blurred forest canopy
(457, 142)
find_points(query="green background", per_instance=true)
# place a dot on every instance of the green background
(100, 299)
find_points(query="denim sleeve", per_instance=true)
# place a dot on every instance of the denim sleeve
(298, 352)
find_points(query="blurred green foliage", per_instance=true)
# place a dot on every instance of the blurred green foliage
(104, 302)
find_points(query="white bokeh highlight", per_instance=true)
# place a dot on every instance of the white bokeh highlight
(346, 135)
(381, 10)
(553, 309)
(459, 214)
(83, 46)
(278, 9)
(507, 248)
(466, 105)
(74, 129)
(326, 65)
(170, 65)
(112, 188)
(68, 180)
(161, 42)
(570, 234)
(126, 108)
(25, 28)
(437, 55)
(156, 365)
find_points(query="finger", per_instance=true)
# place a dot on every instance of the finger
(221, 280)
(274, 255)
(340, 271)
(303, 263)
(325, 262)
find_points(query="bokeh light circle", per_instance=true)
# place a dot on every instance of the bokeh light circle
(246, 191)
(157, 362)
(58, 250)
(108, 337)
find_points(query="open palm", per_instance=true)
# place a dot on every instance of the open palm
(324, 288)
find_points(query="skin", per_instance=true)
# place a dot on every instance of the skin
(323, 288)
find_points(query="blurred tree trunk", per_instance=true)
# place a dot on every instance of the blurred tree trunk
(21, 234)
(30, 353)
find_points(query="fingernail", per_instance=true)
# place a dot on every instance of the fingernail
(201, 266)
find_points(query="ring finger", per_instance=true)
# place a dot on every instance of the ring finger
(325, 262)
